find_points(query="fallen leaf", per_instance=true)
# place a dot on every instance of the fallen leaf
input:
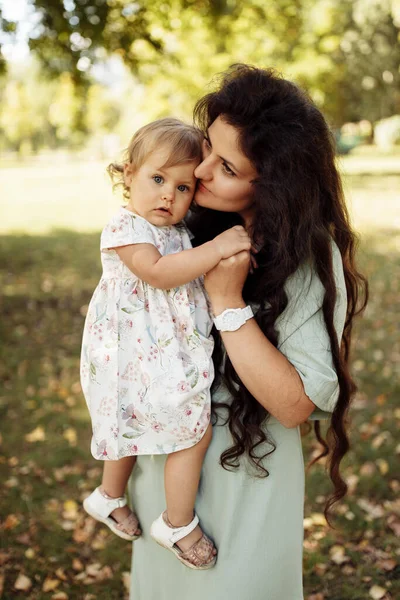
(316, 597)
(374, 511)
(50, 584)
(388, 564)
(59, 596)
(126, 580)
(394, 524)
(77, 565)
(367, 469)
(61, 574)
(30, 553)
(11, 522)
(70, 510)
(377, 592)
(337, 554)
(37, 435)
(71, 436)
(2, 578)
(23, 583)
(383, 466)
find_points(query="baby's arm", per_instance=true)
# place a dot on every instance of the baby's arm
(173, 270)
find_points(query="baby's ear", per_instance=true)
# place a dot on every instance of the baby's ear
(128, 172)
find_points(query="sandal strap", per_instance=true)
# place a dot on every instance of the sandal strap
(177, 533)
(105, 505)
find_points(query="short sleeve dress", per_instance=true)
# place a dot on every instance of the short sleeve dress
(146, 366)
(257, 524)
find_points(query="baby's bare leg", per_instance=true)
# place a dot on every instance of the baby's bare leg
(115, 478)
(182, 476)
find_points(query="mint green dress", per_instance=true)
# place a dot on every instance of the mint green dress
(257, 524)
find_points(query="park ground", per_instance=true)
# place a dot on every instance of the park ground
(49, 236)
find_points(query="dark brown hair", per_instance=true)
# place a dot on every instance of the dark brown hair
(299, 209)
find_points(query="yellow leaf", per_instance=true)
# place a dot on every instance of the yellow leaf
(23, 583)
(37, 435)
(382, 466)
(318, 519)
(30, 553)
(50, 584)
(70, 435)
(381, 399)
(377, 592)
(59, 596)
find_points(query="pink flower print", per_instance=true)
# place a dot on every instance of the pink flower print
(129, 416)
(102, 448)
(188, 412)
(133, 449)
(183, 386)
(129, 372)
(205, 374)
(156, 426)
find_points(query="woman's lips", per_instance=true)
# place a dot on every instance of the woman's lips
(203, 188)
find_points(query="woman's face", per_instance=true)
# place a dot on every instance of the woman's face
(226, 173)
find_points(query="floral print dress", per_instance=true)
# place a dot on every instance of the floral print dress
(146, 366)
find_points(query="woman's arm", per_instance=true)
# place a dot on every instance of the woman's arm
(173, 270)
(264, 370)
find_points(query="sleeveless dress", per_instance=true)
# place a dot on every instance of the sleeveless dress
(257, 524)
(146, 366)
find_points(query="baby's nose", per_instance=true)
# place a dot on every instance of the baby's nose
(168, 197)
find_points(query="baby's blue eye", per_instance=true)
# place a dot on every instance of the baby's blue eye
(158, 179)
(183, 188)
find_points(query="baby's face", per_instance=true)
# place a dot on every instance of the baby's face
(160, 195)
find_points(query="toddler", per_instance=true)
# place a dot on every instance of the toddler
(146, 366)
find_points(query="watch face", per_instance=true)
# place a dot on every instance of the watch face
(231, 320)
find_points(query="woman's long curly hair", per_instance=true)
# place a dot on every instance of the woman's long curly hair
(298, 208)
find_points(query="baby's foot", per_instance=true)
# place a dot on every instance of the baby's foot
(126, 520)
(103, 507)
(198, 549)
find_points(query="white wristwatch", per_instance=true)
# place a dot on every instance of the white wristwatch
(233, 318)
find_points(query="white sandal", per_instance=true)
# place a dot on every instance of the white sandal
(100, 507)
(167, 536)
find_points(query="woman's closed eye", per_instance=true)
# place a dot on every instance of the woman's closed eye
(225, 168)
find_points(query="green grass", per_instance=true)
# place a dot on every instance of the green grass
(46, 281)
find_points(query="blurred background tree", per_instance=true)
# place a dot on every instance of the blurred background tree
(346, 53)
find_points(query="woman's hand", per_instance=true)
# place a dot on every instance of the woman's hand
(224, 283)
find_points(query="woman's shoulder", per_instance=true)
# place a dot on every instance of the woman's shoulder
(305, 292)
(305, 280)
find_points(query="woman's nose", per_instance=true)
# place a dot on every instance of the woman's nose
(203, 170)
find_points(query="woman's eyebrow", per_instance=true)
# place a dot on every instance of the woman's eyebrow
(228, 162)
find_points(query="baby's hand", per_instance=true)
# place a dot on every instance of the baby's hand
(232, 241)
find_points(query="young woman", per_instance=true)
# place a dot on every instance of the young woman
(268, 163)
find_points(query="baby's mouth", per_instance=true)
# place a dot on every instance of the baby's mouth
(165, 210)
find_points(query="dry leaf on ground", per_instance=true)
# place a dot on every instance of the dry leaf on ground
(23, 583)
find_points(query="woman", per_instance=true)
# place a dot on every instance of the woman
(268, 164)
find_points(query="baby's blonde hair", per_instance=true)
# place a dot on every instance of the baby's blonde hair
(183, 140)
